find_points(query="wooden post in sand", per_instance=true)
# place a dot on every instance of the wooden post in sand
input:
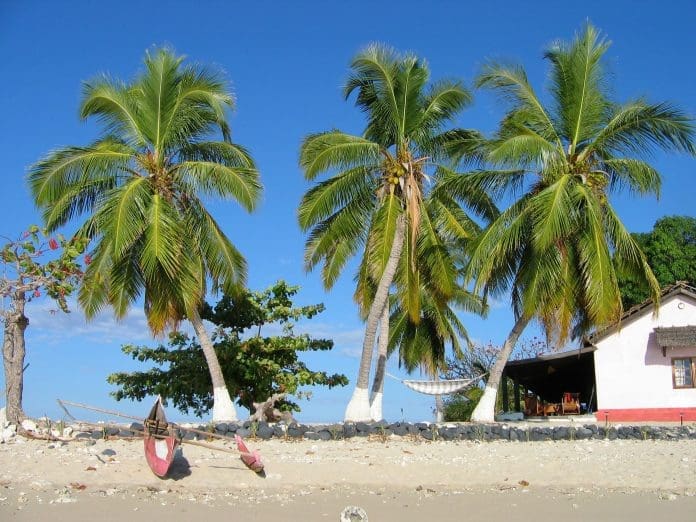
(506, 399)
(516, 388)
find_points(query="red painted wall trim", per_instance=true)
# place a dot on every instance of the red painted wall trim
(647, 414)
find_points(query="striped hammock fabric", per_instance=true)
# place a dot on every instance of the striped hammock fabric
(441, 387)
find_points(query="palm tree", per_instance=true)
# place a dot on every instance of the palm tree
(374, 202)
(422, 345)
(552, 248)
(140, 186)
(437, 324)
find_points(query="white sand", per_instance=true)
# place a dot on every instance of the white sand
(393, 479)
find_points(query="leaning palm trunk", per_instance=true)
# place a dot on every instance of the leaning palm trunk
(223, 408)
(358, 408)
(13, 350)
(485, 410)
(378, 382)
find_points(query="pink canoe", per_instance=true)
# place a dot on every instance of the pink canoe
(160, 440)
(251, 459)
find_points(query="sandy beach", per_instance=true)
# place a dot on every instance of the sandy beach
(393, 479)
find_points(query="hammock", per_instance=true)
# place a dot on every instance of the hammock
(438, 387)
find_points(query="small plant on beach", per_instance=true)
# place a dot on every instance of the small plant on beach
(253, 429)
(336, 432)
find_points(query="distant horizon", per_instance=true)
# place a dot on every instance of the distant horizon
(286, 65)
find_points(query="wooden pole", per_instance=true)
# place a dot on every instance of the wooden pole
(516, 399)
(161, 436)
(123, 415)
(506, 398)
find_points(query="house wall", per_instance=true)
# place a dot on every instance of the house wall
(634, 379)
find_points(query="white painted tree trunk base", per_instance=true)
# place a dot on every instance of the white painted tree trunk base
(376, 406)
(485, 409)
(358, 409)
(223, 407)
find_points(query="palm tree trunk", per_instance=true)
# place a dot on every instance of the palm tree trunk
(358, 408)
(13, 351)
(223, 408)
(378, 382)
(485, 409)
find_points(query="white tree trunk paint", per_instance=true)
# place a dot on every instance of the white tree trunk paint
(376, 406)
(485, 410)
(223, 408)
(358, 409)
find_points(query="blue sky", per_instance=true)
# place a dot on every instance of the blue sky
(287, 62)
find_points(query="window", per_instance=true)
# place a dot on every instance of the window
(683, 371)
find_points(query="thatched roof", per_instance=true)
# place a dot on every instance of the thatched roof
(676, 336)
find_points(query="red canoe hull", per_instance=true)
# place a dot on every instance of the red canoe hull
(159, 453)
(252, 460)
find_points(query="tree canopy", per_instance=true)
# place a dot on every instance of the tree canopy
(254, 366)
(670, 249)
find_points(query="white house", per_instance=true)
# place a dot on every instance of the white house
(643, 368)
(645, 365)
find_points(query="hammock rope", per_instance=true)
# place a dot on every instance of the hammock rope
(438, 387)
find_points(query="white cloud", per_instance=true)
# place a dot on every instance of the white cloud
(52, 326)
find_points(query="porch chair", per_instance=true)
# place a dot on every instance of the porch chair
(570, 403)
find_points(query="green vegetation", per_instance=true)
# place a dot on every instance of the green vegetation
(375, 202)
(27, 271)
(254, 366)
(670, 249)
(141, 186)
(430, 239)
(551, 248)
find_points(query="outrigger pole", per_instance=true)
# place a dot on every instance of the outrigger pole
(123, 415)
(247, 456)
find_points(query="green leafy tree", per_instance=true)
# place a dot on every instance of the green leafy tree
(28, 273)
(374, 202)
(141, 186)
(670, 249)
(552, 247)
(256, 366)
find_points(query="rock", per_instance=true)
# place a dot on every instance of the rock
(29, 425)
(136, 426)
(583, 433)
(243, 432)
(563, 433)
(363, 428)
(312, 435)
(68, 431)
(108, 452)
(221, 428)
(279, 430)
(353, 514)
(112, 430)
(8, 433)
(3, 418)
(427, 434)
(349, 430)
(97, 434)
(264, 431)
(83, 435)
(399, 429)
